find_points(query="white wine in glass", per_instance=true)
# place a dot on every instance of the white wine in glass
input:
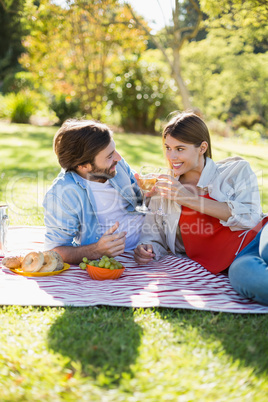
(147, 179)
(163, 171)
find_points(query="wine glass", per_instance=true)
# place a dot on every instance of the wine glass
(147, 179)
(163, 171)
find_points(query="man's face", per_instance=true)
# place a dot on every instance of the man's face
(104, 166)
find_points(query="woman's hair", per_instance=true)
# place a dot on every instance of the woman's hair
(189, 128)
(78, 142)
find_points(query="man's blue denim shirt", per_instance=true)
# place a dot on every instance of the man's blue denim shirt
(70, 210)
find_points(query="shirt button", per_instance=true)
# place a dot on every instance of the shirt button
(97, 238)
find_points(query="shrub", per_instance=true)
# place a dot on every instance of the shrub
(19, 107)
(65, 107)
(246, 120)
(3, 107)
(248, 136)
(17, 82)
(220, 128)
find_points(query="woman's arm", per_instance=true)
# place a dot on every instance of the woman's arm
(235, 186)
(179, 193)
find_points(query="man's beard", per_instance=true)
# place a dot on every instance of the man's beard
(97, 174)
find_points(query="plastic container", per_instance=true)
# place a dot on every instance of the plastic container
(101, 274)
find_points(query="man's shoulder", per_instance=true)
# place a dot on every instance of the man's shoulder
(63, 183)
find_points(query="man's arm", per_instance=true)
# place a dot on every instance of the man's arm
(110, 244)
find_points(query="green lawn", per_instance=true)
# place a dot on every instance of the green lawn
(119, 354)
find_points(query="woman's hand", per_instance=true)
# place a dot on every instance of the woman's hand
(172, 189)
(143, 253)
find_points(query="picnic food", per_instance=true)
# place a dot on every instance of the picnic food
(12, 262)
(50, 263)
(53, 262)
(59, 259)
(32, 262)
(104, 262)
(102, 269)
(47, 261)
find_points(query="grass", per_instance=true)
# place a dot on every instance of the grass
(121, 354)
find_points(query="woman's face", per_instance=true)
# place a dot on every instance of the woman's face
(184, 157)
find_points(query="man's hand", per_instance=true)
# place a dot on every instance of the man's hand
(143, 253)
(149, 193)
(111, 244)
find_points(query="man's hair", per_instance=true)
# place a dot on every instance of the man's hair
(78, 142)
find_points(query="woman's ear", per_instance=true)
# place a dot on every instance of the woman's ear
(203, 147)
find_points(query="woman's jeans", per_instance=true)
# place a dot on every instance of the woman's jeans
(248, 273)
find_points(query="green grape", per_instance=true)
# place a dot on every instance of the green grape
(82, 265)
(101, 263)
(107, 264)
(85, 260)
(112, 266)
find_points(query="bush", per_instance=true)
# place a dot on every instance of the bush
(17, 82)
(246, 120)
(3, 107)
(248, 136)
(220, 128)
(142, 93)
(19, 107)
(65, 107)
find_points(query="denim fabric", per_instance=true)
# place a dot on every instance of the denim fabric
(70, 210)
(248, 273)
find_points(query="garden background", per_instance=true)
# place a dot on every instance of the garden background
(102, 60)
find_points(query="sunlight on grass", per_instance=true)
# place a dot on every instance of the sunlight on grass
(131, 355)
(115, 354)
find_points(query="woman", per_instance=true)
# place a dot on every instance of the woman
(213, 211)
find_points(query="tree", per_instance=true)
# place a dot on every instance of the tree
(70, 49)
(11, 32)
(226, 78)
(250, 17)
(177, 35)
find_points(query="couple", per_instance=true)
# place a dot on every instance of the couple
(212, 210)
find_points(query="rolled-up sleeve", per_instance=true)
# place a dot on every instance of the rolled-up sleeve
(243, 199)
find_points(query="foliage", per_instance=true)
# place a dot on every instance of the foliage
(142, 92)
(71, 49)
(186, 20)
(11, 31)
(221, 89)
(248, 16)
(19, 107)
(17, 82)
(65, 107)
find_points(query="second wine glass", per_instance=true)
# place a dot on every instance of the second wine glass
(147, 179)
(163, 171)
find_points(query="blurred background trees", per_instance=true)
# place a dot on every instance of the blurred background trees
(101, 60)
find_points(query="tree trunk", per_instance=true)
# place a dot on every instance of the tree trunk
(176, 73)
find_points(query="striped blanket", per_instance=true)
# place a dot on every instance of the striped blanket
(171, 282)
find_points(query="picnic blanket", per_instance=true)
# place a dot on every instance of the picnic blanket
(171, 282)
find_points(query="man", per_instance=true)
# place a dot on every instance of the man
(89, 209)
